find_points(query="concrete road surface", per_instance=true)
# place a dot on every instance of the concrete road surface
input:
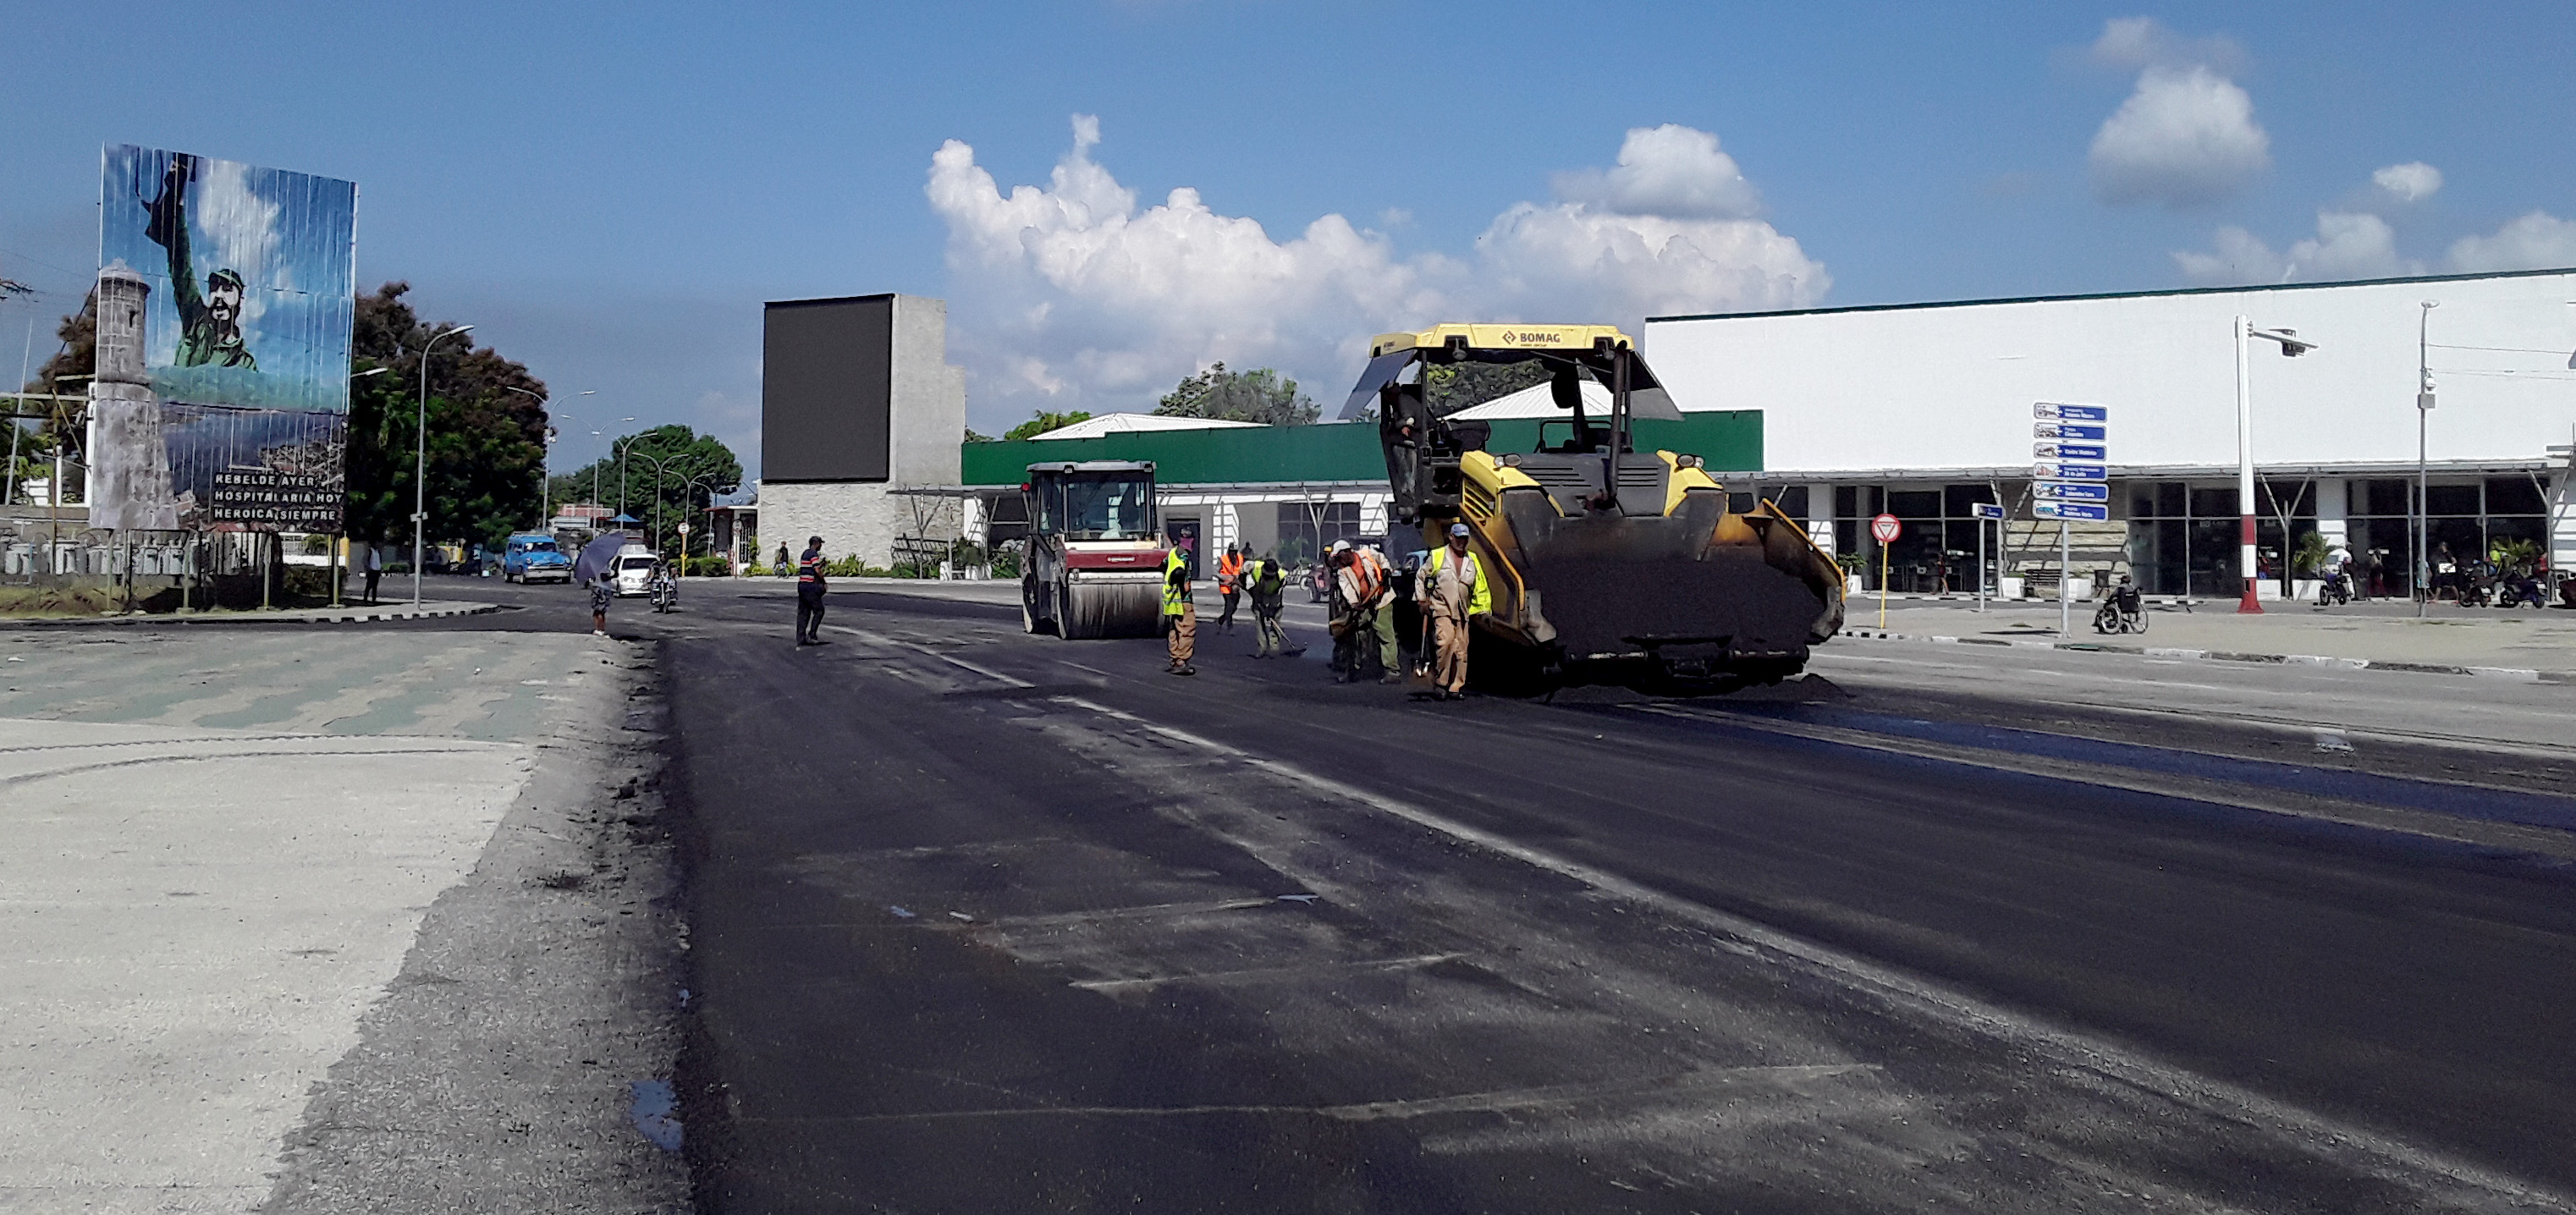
(988, 922)
(327, 919)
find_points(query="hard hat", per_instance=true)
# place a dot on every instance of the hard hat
(1457, 529)
(1341, 546)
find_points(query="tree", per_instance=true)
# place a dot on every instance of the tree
(61, 429)
(1044, 422)
(694, 469)
(976, 436)
(1455, 386)
(486, 442)
(1258, 395)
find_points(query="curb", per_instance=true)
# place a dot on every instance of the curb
(301, 616)
(2513, 674)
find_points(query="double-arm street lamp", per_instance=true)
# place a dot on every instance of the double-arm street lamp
(420, 464)
(2292, 346)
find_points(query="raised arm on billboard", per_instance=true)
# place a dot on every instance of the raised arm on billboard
(209, 321)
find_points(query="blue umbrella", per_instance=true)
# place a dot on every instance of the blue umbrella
(598, 557)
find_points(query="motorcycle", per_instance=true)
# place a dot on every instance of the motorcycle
(665, 592)
(2334, 590)
(2520, 592)
(1319, 583)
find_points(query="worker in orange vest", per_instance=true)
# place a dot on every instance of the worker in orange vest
(1229, 583)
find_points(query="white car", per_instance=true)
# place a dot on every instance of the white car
(634, 571)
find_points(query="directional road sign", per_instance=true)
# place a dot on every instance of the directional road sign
(1886, 529)
(2074, 491)
(2070, 451)
(2071, 413)
(2070, 510)
(1987, 510)
(2065, 430)
(2071, 472)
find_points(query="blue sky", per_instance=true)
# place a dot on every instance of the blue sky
(610, 192)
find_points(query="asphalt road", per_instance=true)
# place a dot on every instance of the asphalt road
(987, 922)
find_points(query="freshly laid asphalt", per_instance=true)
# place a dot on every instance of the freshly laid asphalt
(989, 922)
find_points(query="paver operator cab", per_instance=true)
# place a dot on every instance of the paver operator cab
(1609, 565)
(1095, 551)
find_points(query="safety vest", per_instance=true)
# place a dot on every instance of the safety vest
(1229, 571)
(1368, 569)
(1176, 582)
(1480, 597)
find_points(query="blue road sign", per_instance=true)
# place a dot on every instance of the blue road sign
(2071, 472)
(2079, 491)
(2070, 510)
(2070, 451)
(1987, 510)
(2062, 430)
(2071, 413)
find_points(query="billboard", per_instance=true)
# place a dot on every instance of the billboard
(226, 301)
(827, 389)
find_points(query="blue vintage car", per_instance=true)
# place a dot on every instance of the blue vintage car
(535, 557)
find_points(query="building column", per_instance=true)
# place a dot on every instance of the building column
(1820, 517)
(2334, 497)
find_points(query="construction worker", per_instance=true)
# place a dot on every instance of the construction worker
(1359, 590)
(1452, 591)
(1382, 612)
(1267, 582)
(1229, 583)
(1180, 615)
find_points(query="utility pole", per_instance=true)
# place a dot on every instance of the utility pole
(2423, 477)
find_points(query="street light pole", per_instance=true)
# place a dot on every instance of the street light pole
(2423, 477)
(420, 463)
(2246, 603)
(540, 398)
(2291, 347)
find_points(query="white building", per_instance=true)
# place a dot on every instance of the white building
(1922, 410)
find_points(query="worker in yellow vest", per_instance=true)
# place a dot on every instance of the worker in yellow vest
(1180, 614)
(1452, 592)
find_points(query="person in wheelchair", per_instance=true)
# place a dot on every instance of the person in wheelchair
(2122, 610)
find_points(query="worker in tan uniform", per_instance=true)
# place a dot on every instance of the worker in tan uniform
(1452, 592)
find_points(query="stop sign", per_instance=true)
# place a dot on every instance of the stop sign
(1885, 528)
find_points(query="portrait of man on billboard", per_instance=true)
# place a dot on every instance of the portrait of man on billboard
(210, 330)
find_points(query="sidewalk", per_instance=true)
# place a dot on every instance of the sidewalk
(2538, 644)
(345, 614)
(288, 909)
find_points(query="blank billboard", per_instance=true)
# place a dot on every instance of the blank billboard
(826, 389)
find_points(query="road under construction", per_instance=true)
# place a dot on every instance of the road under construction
(980, 920)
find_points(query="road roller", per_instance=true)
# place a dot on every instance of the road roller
(1095, 550)
(1607, 564)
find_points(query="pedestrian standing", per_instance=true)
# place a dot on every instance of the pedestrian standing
(375, 571)
(810, 585)
(1453, 593)
(1229, 583)
(782, 558)
(1180, 614)
(602, 589)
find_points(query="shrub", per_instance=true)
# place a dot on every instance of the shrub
(709, 567)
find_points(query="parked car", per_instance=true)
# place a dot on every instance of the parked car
(535, 557)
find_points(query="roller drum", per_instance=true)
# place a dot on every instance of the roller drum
(1110, 609)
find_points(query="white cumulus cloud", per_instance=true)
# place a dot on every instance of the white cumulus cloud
(2186, 136)
(2414, 181)
(1670, 171)
(2537, 241)
(2132, 43)
(2348, 245)
(1071, 295)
